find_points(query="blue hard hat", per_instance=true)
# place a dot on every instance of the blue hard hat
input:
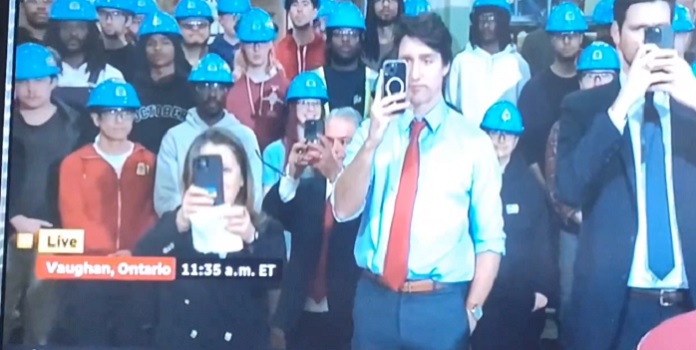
(73, 10)
(144, 7)
(159, 22)
(345, 15)
(566, 17)
(113, 93)
(256, 26)
(682, 22)
(693, 68)
(599, 56)
(212, 69)
(414, 8)
(503, 116)
(123, 5)
(326, 8)
(34, 61)
(502, 4)
(603, 13)
(193, 9)
(233, 7)
(307, 85)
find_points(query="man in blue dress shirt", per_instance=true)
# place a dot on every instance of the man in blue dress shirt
(427, 183)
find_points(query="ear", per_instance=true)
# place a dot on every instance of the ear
(95, 119)
(615, 32)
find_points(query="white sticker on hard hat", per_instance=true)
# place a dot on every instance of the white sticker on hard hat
(212, 68)
(74, 5)
(311, 84)
(506, 115)
(190, 5)
(597, 55)
(120, 91)
(256, 26)
(141, 3)
(156, 20)
(569, 16)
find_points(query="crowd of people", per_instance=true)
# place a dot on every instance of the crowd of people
(497, 185)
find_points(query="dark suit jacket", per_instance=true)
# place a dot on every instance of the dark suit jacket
(303, 217)
(595, 171)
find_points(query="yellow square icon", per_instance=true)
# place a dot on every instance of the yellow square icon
(25, 240)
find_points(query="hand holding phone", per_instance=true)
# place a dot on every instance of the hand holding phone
(660, 36)
(313, 130)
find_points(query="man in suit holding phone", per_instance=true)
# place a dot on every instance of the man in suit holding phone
(627, 157)
(431, 235)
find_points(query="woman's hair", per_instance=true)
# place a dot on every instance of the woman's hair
(182, 68)
(95, 55)
(372, 22)
(240, 63)
(502, 26)
(223, 137)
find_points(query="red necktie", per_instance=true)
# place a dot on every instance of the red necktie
(318, 287)
(396, 261)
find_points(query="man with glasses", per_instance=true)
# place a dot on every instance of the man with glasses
(142, 9)
(598, 65)
(211, 80)
(540, 101)
(115, 17)
(35, 21)
(380, 21)
(195, 18)
(106, 190)
(489, 69)
(347, 78)
(303, 49)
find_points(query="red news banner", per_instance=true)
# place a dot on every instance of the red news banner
(97, 268)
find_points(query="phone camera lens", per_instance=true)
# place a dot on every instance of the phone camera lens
(203, 163)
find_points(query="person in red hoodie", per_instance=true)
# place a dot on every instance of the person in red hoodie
(302, 50)
(106, 189)
(257, 97)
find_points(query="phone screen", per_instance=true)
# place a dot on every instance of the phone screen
(207, 174)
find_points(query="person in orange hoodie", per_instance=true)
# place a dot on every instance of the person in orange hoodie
(302, 50)
(257, 97)
(106, 189)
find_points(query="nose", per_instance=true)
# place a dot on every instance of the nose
(338, 149)
(416, 71)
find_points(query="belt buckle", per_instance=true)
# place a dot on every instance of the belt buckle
(663, 302)
(407, 287)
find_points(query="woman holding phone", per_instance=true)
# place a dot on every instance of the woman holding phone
(223, 313)
(305, 101)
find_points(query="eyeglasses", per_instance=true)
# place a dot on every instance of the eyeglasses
(568, 36)
(309, 103)
(598, 76)
(346, 33)
(112, 15)
(194, 25)
(118, 114)
(38, 2)
(501, 135)
(211, 88)
(385, 2)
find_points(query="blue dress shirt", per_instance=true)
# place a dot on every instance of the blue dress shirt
(458, 211)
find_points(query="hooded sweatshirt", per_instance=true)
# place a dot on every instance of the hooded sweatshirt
(296, 60)
(478, 79)
(165, 104)
(172, 155)
(259, 105)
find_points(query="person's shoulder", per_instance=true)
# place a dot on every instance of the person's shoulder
(274, 148)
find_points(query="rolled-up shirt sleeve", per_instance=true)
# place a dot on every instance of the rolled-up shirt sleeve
(351, 152)
(486, 208)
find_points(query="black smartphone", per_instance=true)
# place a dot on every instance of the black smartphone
(207, 174)
(313, 129)
(662, 36)
(394, 72)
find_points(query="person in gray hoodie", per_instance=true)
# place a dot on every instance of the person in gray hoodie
(211, 79)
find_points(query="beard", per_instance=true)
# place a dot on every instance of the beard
(343, 61)
(385, 22)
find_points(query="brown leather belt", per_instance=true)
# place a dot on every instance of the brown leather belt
(422, 286)
(665, 298)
